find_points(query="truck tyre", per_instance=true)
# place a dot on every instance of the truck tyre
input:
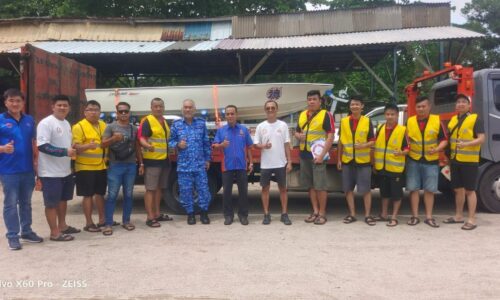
(489, 189)
(171, 194)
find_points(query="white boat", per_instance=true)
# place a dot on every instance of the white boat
(249, 98)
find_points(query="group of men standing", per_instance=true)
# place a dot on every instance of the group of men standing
(106, 158)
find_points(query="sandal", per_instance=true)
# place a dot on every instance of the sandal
(104, 224)
(349, 219)
(153, 223)
(451, 220)
(107, 231)
(92, 228)
(379, 218)
(392, 223)
(70, 230)
(164, 217)
(311, 218)
(469, 226)
(431, 222)
(128, 226)
(62, 238)
(320, 220)
(370, 221)
(413, 221)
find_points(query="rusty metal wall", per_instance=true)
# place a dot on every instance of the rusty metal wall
(52, 74)
(342, 21)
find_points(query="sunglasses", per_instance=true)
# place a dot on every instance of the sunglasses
(270, 108)
(123, 111)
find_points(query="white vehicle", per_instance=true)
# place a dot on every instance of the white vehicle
(377, 117)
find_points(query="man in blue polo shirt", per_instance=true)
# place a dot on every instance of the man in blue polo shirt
(17, 136)
(236, 142)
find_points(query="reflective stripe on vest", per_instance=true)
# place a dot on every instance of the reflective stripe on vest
(361, 156)
(419, 145)
(158, 139)
(464, 133)
(314, 130)
(91, 133)
(384, 151)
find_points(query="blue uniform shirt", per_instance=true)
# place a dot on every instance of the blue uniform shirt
(22, 132)
(239, 138)
(192, 158)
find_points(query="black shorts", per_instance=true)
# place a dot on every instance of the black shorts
(463, 176)
(90, 183)
(279, 176)
(391, 187)
(56, 189)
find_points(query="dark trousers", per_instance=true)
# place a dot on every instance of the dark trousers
(241, 178)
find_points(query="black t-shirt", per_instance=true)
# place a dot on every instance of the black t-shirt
(478, 129)
(147, 132)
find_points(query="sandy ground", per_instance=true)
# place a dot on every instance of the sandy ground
(302, 261)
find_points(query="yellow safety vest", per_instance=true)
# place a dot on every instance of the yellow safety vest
(465, 133)
(92, 157)
(421, 145)
(313, 129)
(361, 156)
(384, 151)
(158, 139)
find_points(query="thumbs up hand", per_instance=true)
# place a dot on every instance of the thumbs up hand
(182, 144)
(9, 147)
(225, 143)
(92, 145)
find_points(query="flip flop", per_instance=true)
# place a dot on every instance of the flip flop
(128, 226)
(92, 228)
(370, 221)
(451, 220)
(392, 223)
(349, 219)
(320, 220)
(153, 223)
(431, 222)
(70, 230)
(62, 238)
(164, 217)
(469, 226)
(413, 221)
(107, 231)
(312, 217)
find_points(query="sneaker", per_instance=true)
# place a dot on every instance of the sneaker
(285, 219)
(267, 219)
(204, 218)
(191, 220)
(228, 220)
(243, 220)
(31, 238)
(14, 244)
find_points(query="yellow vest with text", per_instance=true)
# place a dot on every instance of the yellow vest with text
(158, 139)
(465, 133)
(91, 159)
(384, 151)
(360, 156)
(419, 144)
(314, 130)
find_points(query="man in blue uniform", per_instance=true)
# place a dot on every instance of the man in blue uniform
(17, 136)
(236, 142)
(189, 136)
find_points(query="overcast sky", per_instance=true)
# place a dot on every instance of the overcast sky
(456, 16)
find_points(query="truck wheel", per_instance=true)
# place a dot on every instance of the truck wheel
(171, 194)
(489, 189)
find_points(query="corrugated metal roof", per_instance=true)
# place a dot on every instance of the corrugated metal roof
(102, 47)
(350, 39)
(197, 31)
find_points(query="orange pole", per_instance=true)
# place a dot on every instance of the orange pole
(215, 98)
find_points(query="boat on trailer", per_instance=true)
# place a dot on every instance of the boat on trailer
(249, 98)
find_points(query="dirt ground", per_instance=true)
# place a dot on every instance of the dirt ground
(302, 261)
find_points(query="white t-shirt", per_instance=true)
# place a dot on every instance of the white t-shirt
(57, 133)
(277, 134)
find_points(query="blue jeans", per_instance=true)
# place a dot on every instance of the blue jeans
(120, 174)
(421, 176)
(17, 190)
